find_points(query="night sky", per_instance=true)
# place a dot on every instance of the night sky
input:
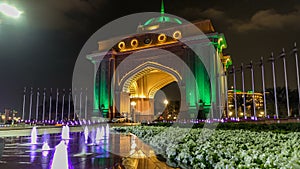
(40, 49)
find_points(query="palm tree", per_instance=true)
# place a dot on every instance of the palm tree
(294, 102)
(281, 101)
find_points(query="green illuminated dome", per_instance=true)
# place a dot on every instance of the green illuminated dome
(159, 22)
(162, 19)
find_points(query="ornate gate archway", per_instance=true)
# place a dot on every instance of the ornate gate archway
(201, 81)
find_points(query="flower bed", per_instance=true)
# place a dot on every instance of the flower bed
(274, 127)
(205, 148)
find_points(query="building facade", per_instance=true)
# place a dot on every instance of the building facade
(164, 50)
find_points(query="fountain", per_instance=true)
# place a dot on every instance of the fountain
(93, 137)
(102, 132)
(33, 135)
(65, 135)
(107, 130)
(102, 128)
(84, 149)
(60, 157)
(45, 147)
(32, 152)
(99, 135)
(86, 134)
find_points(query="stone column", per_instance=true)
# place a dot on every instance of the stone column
(112, 68)
(151, 108)
(95, 105)
(183, 104)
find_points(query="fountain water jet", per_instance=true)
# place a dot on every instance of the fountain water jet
(84, 150)
(60, 157)
(34, 135)
(65, 135)
(107, 130)
(86, 134)
(45, 147)
(93, 136)
(99, 135)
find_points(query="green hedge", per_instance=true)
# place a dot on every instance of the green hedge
(274, 127)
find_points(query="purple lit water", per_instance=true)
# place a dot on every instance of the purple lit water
(16, 155)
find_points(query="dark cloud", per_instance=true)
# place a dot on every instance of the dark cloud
(219, 17)
(196, 13)
(214, 13)
(53, 14)
(269, 19)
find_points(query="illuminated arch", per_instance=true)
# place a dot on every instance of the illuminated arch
(160, 84)
(144, 69)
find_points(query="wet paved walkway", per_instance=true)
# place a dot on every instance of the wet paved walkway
(115, 151)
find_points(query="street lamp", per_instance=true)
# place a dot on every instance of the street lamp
(10, 11)
(166, 102)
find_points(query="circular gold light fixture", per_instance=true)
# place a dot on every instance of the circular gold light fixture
(162, 38)
(121, 45)
(134, 43)
(177, 35)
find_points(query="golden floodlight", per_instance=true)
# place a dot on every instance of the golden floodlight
(121, 45)
(134, 43)
(133, 103)
(162, 38)
(166, 102)
(177, 35)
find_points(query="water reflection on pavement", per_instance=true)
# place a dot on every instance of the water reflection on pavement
(115, 151)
